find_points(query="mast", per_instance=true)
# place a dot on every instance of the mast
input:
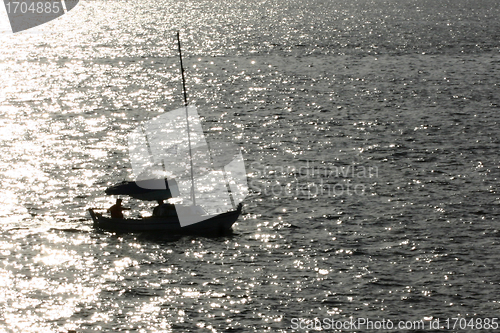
(187, 119)
(182, 74)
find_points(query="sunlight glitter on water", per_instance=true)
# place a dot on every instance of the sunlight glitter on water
(350, 86)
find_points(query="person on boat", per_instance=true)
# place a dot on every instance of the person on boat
(160, 209)
(117, 209)
(168, 209)
(164, 209)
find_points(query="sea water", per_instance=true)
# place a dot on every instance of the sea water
(370, 132)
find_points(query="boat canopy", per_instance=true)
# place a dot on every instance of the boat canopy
(151, 189)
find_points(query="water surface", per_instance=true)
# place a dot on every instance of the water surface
(405, 94)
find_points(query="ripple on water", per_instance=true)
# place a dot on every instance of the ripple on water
(399, 99)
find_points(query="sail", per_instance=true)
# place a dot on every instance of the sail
(237, 178)
(228, 158)
(161, 146)
(173, 146)
(176, 141)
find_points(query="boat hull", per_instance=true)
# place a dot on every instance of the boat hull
(220, 224)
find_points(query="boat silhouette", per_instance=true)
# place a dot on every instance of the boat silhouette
(171, 159)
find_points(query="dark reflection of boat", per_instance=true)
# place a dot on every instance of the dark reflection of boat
(220, 224)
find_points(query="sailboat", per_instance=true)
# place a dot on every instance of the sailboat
(171, 159)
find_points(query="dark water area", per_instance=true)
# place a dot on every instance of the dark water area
(370, 132)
